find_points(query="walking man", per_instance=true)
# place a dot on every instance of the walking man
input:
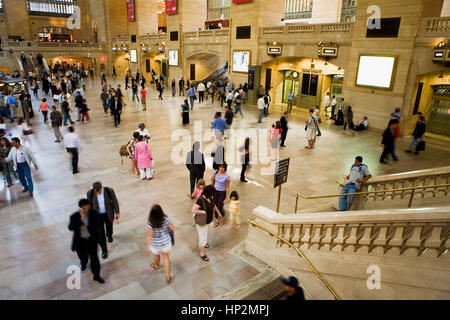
(22, 158)
(85, 226)
(290, 98)
(11, 101)
(284, 128)
(261, 106)
(417, 135)
(116, 110)
(66, 110)
(72, 145)
(195, 162)
(201, 92)
(4, 109)
(333, 107)
(56, 119)
(181, 85)
(104, 201)
(359, 173)
(191, 95)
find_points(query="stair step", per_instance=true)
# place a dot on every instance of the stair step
(273, 290)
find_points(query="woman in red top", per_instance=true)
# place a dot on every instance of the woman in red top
(274, 139)
(44, 109)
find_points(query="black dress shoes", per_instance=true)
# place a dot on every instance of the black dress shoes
(105, 255)
(99, 279)
(110, 239)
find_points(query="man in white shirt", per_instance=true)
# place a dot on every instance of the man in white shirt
(22, 158)
(362, 125)
(333, 106)
(143, 132)
(359, 173)
(230, 98)
(201, 92)
(261, 106)
(208, 85)
(72, 144)
(327, 102)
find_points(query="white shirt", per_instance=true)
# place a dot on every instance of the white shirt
(326, 101)
(20, 156)
(101, 201)
(208, 85)
(201, 87)
(144, 133)
(333, 102)
(364, 122)
(230, 96)
(71, 140)
(261, 103)
(236, 95)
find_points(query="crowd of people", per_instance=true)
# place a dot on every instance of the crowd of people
(92, 223)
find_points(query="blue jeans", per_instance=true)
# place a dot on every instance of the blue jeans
(79, 114)
(191, 100)
(4, 111)
(348, 188)
(413, 142)
(261, 115)
(23, 169)
(238, 109)
(67, 117)
(7, 172)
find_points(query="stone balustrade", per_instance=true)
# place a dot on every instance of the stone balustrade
(434, 27)
(319, 32)
(35, 45)
(409, 246)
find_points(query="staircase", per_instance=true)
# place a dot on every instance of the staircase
(380, 250)
(219, 74)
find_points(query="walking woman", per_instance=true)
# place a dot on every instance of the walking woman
(5, 148)
(274, 139)
(185, 112)
(245, 149)
(204, 209)
(221, 182)
(311, 128)
(143, 158)
(159, 239)
(174, 87)
(130, 150)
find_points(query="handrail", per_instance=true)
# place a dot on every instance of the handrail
(369, 192)
(336, 297)
(397, 175)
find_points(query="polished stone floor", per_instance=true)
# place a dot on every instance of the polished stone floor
(35, 251)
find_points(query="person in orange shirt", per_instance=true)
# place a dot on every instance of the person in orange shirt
(44, 109)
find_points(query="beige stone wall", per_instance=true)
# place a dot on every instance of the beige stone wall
(378, 104)
(445, 9)
(326, 11)
(147, 16)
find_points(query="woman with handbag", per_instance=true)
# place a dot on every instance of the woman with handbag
(204, 214)
(310, 128)
(160, 239)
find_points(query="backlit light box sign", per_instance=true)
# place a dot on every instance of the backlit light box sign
(173, 58)
(376, 71)
(133, 55)
(241, 61)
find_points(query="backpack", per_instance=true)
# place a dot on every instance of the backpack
(123, 151)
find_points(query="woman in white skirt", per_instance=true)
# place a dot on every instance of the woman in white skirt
(204, 214)
(159, 240)
(311, 127)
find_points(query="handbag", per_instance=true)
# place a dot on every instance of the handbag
(200, 219)
(27, 132)
(420, 146)
(172, 237)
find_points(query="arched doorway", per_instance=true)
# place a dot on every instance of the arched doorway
(309, 79)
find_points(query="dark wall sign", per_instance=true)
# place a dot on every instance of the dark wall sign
(388, 29)
(251, 79)
(281, 172)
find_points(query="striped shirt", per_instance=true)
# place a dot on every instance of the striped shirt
(312, 122)
(161, 235)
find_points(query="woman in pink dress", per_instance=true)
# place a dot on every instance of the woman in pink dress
(144, 158)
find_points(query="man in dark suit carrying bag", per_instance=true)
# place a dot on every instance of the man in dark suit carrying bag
(85, 225)
(195, 162)
(104, 201)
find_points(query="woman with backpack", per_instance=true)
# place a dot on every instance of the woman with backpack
(204, 209)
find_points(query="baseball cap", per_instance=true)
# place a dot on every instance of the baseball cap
(291, 281)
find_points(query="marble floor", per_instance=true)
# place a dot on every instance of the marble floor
(35, 251)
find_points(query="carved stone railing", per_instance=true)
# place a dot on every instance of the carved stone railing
(191, 35)
(320, 32)
(410, 247)
(434, 27)
(394, 232)
(37, 45)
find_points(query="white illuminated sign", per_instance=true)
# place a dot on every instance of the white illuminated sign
(133, 55)
(241, 61)
(173, 58)
(375, 71)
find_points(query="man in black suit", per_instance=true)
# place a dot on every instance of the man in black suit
(195, 162)
(104, 201)
(284, 128)
(85, 226)
(116, 109)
